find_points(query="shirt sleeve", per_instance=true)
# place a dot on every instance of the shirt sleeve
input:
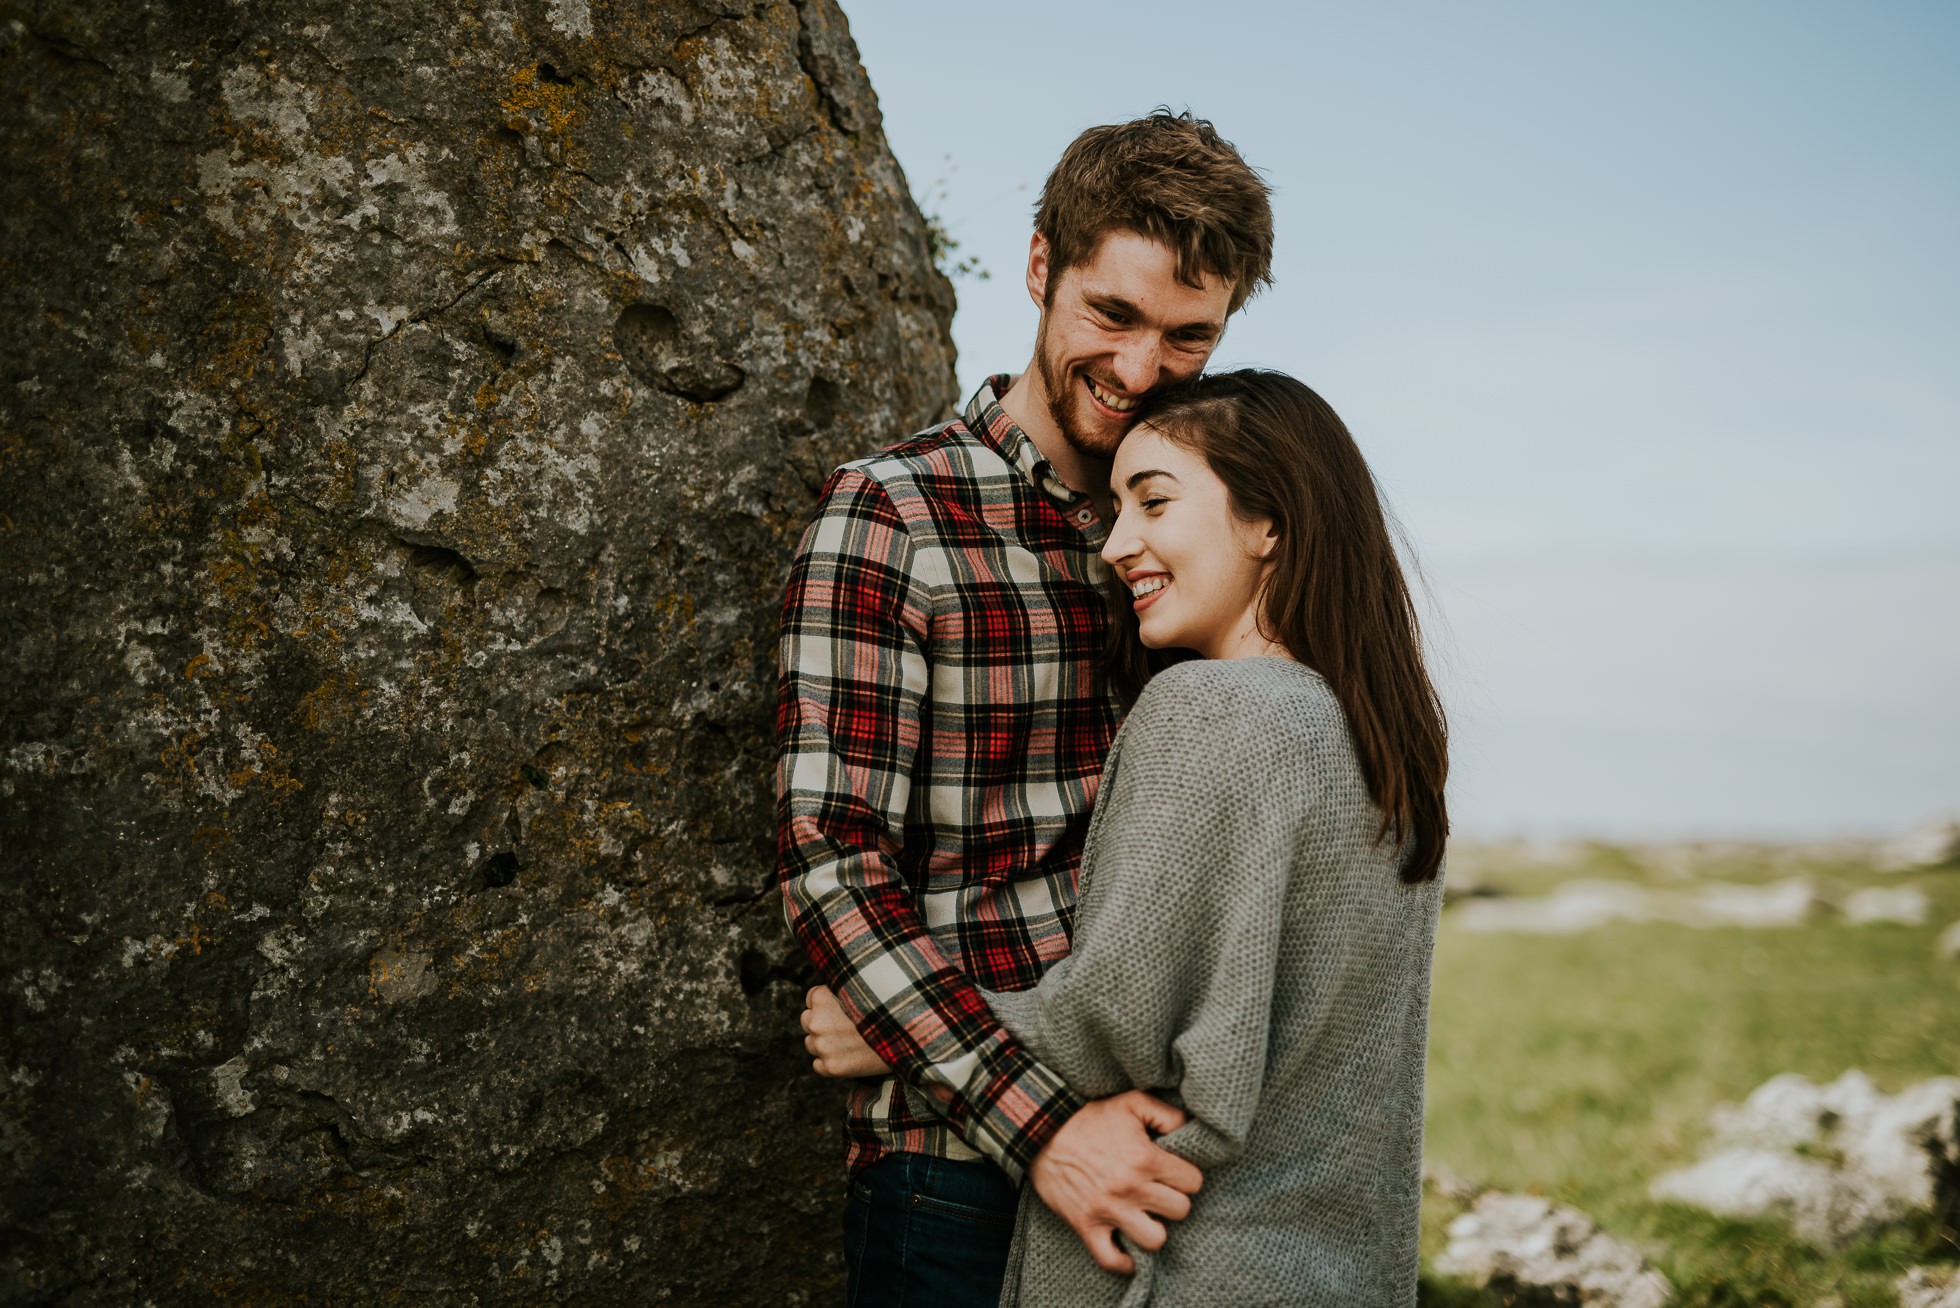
(1169, 986)
(854, 681)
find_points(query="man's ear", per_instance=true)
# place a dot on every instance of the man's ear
(1038, 270)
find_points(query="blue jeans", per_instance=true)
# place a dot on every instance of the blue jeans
(924, 1232)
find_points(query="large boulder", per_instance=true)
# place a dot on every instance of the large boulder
(408, 414)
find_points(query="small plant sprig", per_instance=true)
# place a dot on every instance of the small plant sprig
(941, 244)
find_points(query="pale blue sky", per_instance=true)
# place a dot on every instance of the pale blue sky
(1648, 317)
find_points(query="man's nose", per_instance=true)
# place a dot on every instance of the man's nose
(1139, 363)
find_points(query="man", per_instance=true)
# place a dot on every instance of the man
(944, 716)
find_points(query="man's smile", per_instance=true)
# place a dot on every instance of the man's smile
(1115, 403)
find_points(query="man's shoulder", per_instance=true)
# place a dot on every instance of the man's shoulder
(949, 451)
(941, 465)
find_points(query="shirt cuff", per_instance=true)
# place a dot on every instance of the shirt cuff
(1012, 1107)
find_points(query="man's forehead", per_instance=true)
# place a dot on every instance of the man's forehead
(1131, 267)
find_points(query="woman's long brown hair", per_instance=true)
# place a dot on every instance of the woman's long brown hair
(1336, 598)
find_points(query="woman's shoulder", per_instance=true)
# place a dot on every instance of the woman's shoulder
(1270, 695)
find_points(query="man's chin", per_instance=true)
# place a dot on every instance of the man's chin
(1090, 433)
(1100, 444)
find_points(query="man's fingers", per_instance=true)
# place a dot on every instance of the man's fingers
(1166, 1202)
(1101, 1242)
(1145, 1231)
(1153, 1112)
(1177, 1173)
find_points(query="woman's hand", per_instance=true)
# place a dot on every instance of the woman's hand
(833, 1039)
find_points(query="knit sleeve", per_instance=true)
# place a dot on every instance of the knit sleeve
(1170, 982)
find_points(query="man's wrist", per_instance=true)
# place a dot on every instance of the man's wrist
(1014, 1111)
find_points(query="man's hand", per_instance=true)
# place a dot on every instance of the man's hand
(833, 1039)
(1102, 1173)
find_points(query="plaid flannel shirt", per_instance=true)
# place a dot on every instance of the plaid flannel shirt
(941, 731)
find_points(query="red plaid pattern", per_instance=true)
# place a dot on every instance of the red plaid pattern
(941, 731)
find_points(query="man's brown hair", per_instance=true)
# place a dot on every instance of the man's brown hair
(1171, 178)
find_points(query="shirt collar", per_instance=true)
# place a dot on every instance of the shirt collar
(991, 423)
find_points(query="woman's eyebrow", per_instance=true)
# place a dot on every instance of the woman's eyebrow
(1138, 478)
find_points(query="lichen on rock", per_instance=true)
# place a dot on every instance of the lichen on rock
(408, 415)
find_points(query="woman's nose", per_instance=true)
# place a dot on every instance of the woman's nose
(1121, 545)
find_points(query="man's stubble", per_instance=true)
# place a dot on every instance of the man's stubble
(1065, 404)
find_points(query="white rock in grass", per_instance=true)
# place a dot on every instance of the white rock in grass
(1573, 906)
(1519, 1242)
(1821, 1204)
(1443, 1180)
(1781, 903)
(1582, 905)
(1934, 841)
(1949, 942)
(1834, 1160)
(1905, 904)
(1929, 1287)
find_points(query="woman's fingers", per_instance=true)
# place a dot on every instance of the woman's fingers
(833, 1040)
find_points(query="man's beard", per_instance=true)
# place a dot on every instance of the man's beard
(1066, 403)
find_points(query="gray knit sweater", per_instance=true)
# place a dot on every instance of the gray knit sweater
(1244, 943)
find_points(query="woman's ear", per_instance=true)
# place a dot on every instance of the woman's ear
(1269, 542)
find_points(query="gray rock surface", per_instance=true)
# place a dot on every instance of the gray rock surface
(408, 412)
(1535, 1252)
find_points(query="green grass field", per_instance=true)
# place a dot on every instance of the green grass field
(1582, 1066)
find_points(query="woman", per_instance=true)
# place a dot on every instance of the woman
(1262, 874)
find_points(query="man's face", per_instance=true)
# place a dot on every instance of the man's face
(1115, 328)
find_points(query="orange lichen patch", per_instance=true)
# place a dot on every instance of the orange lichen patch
(199, 666)
(236, 336)
(487, 963)
(178, 760)
(271, 773)
(550, 106)
(629, 1176)
(337, 701)
(194, 941)
(208, 840)
(678, 603)
(233, 577)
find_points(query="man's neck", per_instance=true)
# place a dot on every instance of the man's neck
(1026, 402)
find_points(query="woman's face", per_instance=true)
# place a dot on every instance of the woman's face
(1194, 569)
